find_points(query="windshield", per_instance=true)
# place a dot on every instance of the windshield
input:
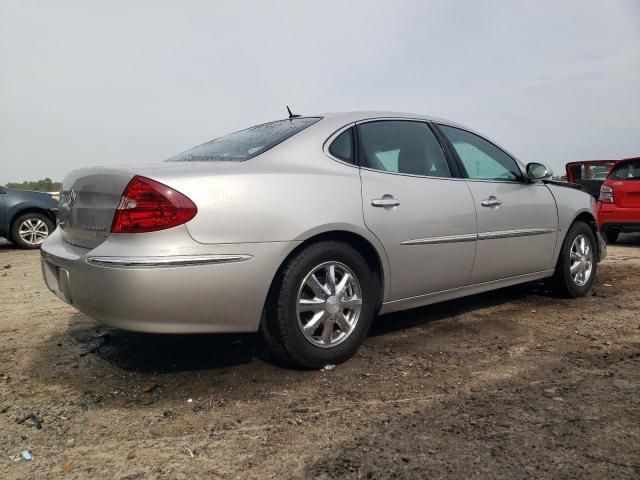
(247, 143)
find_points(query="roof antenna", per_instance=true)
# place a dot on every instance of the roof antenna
(291, 115)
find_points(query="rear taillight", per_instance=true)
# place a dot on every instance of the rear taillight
(606, 194)
(148, 206)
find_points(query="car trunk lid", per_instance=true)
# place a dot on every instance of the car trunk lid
(626, 194)
(88, 201)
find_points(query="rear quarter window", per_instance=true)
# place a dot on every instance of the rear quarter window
(342, 147)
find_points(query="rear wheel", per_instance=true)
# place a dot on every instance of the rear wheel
(30, 230)
(577, 263)
(612, 235)
(321, 306)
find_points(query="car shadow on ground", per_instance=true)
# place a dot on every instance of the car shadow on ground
(167, 353)
(628, 240)
(162, 353)
(6, 245)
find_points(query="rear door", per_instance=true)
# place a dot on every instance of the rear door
(411, 201)
(517, 220)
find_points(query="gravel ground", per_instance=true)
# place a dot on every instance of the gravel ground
(510, 384)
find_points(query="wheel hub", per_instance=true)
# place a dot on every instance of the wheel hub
(333, 305)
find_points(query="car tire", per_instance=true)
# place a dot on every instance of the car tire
(29, 230)
(576, 270)
(611, 236)
(323, 325)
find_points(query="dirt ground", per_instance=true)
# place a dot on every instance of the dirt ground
(511, 384)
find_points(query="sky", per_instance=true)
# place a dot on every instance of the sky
(87, 83)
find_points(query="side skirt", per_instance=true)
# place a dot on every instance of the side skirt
(428, 299)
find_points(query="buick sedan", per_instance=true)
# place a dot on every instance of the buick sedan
(306, 228)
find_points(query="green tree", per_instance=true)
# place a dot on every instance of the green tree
(44, 185)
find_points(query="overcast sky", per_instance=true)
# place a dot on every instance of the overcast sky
(110, 82)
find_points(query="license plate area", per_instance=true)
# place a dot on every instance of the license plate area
(57, 280)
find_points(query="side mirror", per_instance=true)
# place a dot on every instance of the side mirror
(537, 171)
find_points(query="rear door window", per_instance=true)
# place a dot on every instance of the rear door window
(402, 146)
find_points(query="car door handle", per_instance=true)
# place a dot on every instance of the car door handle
(491, 202)
(386, 201)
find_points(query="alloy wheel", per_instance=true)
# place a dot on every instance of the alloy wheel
(581, 260)
(33, 231)
(328, 304)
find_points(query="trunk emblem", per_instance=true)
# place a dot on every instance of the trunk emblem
(68, 198)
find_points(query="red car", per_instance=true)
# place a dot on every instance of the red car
(619, 202)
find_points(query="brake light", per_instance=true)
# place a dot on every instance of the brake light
(149, 206)
(606, 194)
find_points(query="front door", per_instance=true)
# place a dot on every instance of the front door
(424, 218)
(517, 219)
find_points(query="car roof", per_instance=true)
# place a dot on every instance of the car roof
(356, 116)
(332, 122)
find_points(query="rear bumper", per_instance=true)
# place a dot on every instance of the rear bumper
(624, 227)
(213, 288)
(624, 219)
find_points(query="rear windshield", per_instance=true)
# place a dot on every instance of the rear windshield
(247, 143)
(626, 171)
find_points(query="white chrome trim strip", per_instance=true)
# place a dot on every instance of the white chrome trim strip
(471, 237)
(176, 261)
(467, 237)
(522, 232)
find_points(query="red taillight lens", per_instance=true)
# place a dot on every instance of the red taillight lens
(606, 194)
(148, 206)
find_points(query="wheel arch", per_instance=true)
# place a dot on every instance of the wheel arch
(589, 218)
(367, 245)
(21, 211)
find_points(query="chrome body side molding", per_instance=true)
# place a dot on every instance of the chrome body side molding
(471, 237)
(163, 262)
(522, 232)
(467, 237)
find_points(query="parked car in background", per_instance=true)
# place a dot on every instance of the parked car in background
(619, 203)
(27, 218)
(306, 228)
(589, 174)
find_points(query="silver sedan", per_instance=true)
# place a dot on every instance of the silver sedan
(306, 228)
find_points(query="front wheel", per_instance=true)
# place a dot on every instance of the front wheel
(321, 306)
(31, 229)
(577, 263)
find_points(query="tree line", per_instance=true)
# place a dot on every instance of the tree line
(44, 185)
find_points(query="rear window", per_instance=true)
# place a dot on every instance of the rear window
(626, 171)
(247, 143)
